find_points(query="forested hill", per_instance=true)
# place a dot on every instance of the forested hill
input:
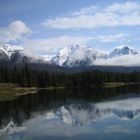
(29, 77)
(52, 68)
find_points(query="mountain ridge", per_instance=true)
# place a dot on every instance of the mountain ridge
(73, 57)
(81, 55)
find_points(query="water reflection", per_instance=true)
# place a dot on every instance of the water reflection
(73, 115)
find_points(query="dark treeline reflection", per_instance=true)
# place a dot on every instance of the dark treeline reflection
(24, 107)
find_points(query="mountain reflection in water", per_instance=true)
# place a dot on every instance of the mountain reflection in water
(60, 116)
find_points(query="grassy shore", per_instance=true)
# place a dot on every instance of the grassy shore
(12, 88)
(116, 84)
(10, 91)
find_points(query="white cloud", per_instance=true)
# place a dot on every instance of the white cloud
(113, 38)
(123, 7)
(52, 45)
(15, 30)
(126, 60)
(86, 10)
(92, 17)
(82, 21)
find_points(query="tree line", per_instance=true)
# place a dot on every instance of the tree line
(28, 77)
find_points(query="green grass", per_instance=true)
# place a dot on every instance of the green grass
(10, 91)
(113, 84)
(6, 87)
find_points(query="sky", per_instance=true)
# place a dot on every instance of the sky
(43, 27)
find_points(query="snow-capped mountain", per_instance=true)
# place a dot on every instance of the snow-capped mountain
(74, 56)
(10, 52)
(11, 49)
(15, 54)
(81, 55)
(3, 55)
(77, 55)
(63, 55)
(122, 50)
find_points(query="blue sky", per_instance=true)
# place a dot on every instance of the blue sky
(45, 26)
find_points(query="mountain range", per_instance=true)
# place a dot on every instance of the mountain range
(80, 55)
(74, 56)
(15, 55)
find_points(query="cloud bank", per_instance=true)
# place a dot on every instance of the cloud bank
(54, 44)
(126, 60)
(117, 14)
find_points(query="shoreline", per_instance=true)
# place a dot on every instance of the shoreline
(10, 91)
(9, 87)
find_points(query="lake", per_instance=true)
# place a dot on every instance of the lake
(83, 114)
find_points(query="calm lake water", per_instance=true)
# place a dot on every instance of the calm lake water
(86, 114)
